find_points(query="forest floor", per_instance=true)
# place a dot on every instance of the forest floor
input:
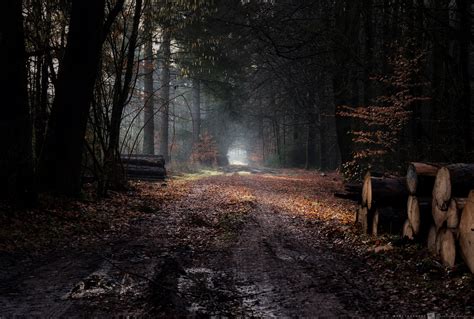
(235, 242)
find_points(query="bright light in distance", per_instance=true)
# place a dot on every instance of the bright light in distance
(237, 156)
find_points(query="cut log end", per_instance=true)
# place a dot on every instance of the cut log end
(466, 232)
(412, 179)
(367, 191)
(439, 215)
(431, 241)
(375, 223)
(413, 211)
(452, 215)
(447, 248)
(442, 188)
(408, 231)
(363, 219)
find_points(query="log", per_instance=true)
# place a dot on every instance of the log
(413, 212)
(143, 160)
(346, 195)
(363, 219)
(407, 231)
(454, 180)
(452, 215)
(375, 223)
(353, 188)
(421, 177)
(431, 240)
(145, 172)
(384, 191)
(447, 247)
(466, 232)
(387, 220)
(365, 189)
(439, 215)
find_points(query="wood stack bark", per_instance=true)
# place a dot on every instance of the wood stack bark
(466, 232)
(451, 212)
(380, 199)
(144, 167)
(420, 179)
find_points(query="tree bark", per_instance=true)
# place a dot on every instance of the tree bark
(165, 93)
(16, 162)
(196, 111)
(60, 166)
(464, 109)
(384, 191)
(149, 112)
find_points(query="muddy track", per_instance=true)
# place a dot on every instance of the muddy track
(273, 269)
(228, 246)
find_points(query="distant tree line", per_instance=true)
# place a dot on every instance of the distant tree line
(316, 84)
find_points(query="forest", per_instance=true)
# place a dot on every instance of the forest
(236, 158)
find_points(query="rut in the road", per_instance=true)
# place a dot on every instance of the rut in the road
(274, 267)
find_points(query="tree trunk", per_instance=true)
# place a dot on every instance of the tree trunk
(114, 173)
(16, 162)
(149, 112)
(196, 111)
(463, 110)
(60, 166)
(330, 152)
(165, 93)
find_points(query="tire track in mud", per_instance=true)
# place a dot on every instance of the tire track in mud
(273, 269)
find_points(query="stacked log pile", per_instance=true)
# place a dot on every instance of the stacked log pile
(144, 167)
(420, 179)
(439, 208)
(451, 233)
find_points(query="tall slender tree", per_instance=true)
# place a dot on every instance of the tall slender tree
(165, 92)
(149, 109)
(196, 111)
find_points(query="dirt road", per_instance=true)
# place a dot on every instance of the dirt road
(251, 244)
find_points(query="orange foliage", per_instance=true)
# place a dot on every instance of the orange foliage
(206, 151)
(383, 121)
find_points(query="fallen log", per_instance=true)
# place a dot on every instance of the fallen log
(346, 195)
(143, 160)
(145, 172)
(421, 177)
(353, 188)
(466, 232)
